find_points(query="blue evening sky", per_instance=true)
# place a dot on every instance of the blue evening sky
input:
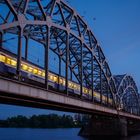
(116, 25)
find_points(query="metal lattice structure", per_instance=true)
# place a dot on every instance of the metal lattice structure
(127, 97)
(57, 28)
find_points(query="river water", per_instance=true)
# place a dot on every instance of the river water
(48, 134)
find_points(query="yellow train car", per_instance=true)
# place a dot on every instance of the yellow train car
(38, 74)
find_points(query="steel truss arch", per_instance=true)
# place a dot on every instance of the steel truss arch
(59, 29)
(127, 93)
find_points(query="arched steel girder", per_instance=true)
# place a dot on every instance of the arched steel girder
(54, 22)
(129, 101)
(127, 94)
(59, 28)
(122, 82)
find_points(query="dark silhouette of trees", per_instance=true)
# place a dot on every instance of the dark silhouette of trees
(40, 121)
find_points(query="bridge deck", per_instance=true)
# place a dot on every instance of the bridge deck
(27, 95)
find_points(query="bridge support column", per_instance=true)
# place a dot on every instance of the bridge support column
(133, 127)
(104, 126)
(123, 127)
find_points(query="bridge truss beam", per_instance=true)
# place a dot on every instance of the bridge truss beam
(58, 30)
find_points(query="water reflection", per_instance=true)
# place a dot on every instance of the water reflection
(51, 134)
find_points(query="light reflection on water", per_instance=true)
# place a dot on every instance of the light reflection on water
(50, 134)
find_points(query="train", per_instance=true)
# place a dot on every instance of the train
(35, 74)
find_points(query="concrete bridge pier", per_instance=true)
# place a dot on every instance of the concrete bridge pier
(104, 126)
(123, 127)
(133, 127)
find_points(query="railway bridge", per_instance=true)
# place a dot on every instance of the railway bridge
(50, 58)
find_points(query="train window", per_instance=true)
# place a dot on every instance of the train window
(60, 81)
(69, 84)
(24, 67)
(72, 85)
(79, 88)
(63, 82)
(13, 63)
(35, 71)
(39, 72)
(55, 79)
(50, 77)
(97, 95)
(2, 58)
(103, 98)
(90, 92)
(30, 69)
(110, 101)
(43, 74)
(8, 61)
(85, 90)
(75, 86)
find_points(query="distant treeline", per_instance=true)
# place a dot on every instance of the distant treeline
(41, 121)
